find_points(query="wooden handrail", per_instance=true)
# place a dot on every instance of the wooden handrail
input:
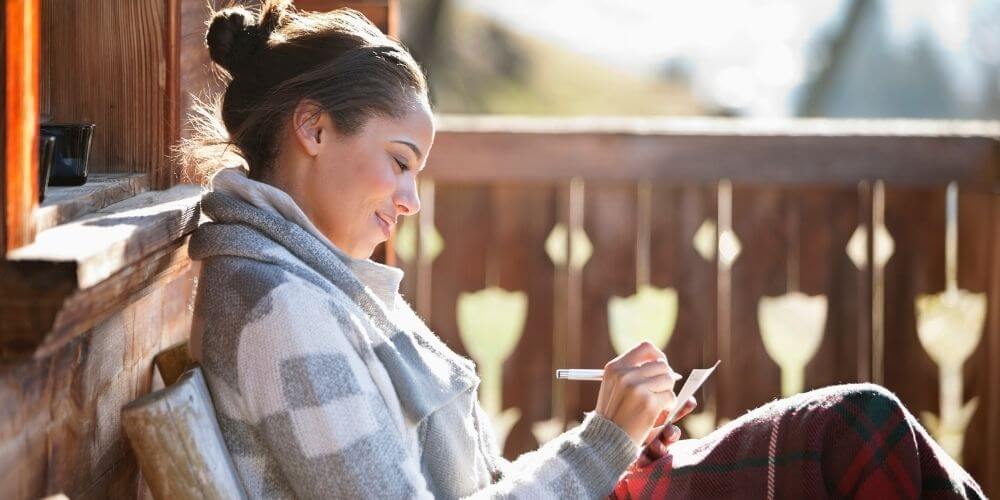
(782, 152)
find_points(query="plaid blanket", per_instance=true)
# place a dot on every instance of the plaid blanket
(843, 441)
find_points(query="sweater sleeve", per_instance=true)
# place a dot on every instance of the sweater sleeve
(332, 435)
(584, 462)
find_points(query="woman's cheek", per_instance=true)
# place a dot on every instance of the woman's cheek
(383, 183)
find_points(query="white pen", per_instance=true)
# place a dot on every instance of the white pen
(595, 375)
(694, 381)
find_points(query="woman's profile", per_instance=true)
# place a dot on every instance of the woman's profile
(327, 384)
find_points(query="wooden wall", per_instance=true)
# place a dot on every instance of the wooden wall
(60, 426)
(113, 63)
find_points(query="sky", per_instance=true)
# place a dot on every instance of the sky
(746, 54)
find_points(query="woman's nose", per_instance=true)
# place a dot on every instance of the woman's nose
(408, 201)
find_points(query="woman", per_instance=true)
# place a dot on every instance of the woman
(325, 382)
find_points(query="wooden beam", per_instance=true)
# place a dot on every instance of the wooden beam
(76, 274)
(20, 104)
(992, 480)
(169, 175)
(703, 151)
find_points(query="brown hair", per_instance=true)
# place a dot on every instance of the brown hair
(271, 63)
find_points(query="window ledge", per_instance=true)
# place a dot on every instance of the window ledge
(77, 273)
(65, 203)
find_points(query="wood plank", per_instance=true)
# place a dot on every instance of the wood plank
(864, 285)
(108, 240)
(677, 214)
(684, 151)
(76, 274)
(112, 63)
(3, 133)
(991, 482)
(65, 203)
(523, 217)
(976, 254)
(169, 172)
(465, 223)
(21, 39)
(759, 270)
(610, 222)
(60, 412)
(43, 322)
(825, 268)
(915, 218)
(197, 79)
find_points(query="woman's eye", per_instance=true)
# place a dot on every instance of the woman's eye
(402, 166)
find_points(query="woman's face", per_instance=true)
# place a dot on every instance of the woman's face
(358, 186)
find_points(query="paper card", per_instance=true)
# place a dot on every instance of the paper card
(693, 383)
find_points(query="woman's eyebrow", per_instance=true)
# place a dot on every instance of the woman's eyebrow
(412, 146)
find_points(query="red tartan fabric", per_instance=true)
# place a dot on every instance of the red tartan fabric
(848, 441)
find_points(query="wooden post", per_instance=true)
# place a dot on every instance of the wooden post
(20, 129)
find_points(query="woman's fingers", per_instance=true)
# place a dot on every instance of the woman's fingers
(640, 354)
(659, 445)
(657, 367)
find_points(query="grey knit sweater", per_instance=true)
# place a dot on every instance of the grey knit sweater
(326, 384)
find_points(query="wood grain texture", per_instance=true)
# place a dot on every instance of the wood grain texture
(65, 203)
(111, 63)
(3, 133)
(464, 219)
(677, 214)
(77, 274)
(178, 443)
(21, 40)
(610, 222)
(992, 407)
(113, 237)
(825, 268)
(795, 153)
(758, 271)
(60, 412)
(518, 262)
(197, 78)
(977, 254)
(38, 322)
(916, 220)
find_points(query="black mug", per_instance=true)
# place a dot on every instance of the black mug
(72, 152)
(46, 152)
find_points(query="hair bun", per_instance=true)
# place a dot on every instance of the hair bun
(234, 36)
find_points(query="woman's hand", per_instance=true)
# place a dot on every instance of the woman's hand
(636, 389)
(662, 435)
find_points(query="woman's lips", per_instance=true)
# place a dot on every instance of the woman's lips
(384, 225)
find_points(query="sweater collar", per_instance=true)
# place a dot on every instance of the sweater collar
(383, 280)
(424, 372)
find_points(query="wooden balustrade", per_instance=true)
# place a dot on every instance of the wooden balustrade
(793, 193)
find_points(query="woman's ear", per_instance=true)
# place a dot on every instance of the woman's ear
(307, 126)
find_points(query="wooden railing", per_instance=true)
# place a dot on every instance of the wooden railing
(716, 216)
